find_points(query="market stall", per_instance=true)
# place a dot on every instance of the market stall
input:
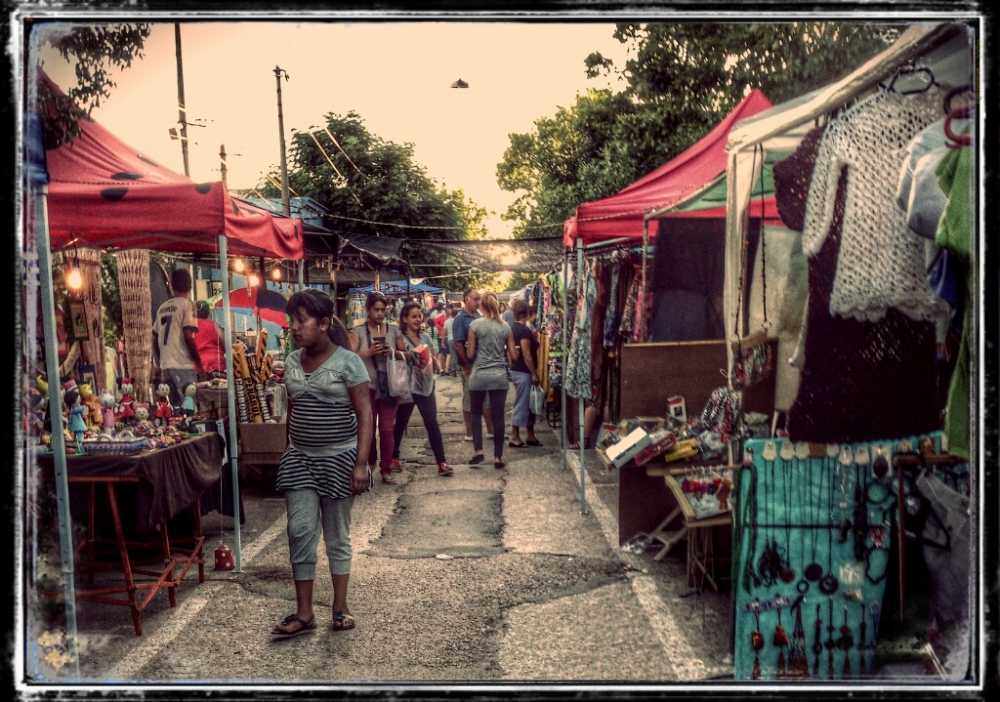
(826, 523)
(98, 192)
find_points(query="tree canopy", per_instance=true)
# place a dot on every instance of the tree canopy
(680, 80)
(370, 184)
(93, 50)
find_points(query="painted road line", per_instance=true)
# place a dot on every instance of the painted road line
(677, 650)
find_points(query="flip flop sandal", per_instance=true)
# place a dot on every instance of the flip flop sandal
(533, 443)
(388, 479)
(305, 628)
(520, 445)
(343, 621)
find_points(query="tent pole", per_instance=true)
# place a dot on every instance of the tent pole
(565, 355)
(55, 415)
(232, 443)
(581, 439)
(642, 283)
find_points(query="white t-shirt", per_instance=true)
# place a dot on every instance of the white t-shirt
(172, 318)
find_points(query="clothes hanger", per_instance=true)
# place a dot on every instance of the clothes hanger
(909, 71)
(956, 141)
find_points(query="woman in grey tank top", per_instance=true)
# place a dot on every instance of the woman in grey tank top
(490, 344)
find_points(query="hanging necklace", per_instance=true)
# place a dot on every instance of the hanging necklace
(830, 642)
(770, 561)
(846, 459)
(814, 571)
(817, 641)
(786, 573)
(757, 641)
(828, 584)
(861, 459)
(862, 645)
(780, 640)
(845, 643)
(797, 663)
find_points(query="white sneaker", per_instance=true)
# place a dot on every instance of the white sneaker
(468, 438)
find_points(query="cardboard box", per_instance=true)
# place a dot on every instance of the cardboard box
(263, 443)
(625, 450)
(660, 442)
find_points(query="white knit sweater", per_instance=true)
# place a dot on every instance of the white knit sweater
(881, 262)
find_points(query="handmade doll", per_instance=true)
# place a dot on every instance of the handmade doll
(188, 406)
(126, 410)
(163, 409)
(89, 400)
(108, 412)
(77, 425)
(141, 411)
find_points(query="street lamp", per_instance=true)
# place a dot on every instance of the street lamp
(460, 84)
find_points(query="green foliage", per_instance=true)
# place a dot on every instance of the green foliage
(114, 328)
(93, 50)
(681, 79)
(374, 180)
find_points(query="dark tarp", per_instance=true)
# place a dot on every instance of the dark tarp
(399, 287)
(385, 250)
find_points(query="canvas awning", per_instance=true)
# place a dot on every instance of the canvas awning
(684, 177)
(106, 194)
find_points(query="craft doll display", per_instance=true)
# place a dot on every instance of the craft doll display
(77, 424)
(88, 398)
(141, 413)
(126, 409)
(163, 409)
(107, 412)
(188, 406)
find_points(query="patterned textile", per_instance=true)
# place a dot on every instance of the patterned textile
(862, 381)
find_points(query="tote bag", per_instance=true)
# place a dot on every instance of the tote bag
(399, 377)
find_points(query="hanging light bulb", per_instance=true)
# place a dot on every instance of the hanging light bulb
(276, 273)
(74, 279)
(253, 280)
(238, 265)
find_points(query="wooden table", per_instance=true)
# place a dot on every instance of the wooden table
(193, 465)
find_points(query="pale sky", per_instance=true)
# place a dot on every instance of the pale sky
(395, 74)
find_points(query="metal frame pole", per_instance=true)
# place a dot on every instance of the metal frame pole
(232, 443)
(55, 415)
(579, 401)
(565, 355)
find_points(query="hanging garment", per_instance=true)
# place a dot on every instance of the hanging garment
(860, 381)
(578, 361)
(881, 263)
(918, 193)
(611, 321)
(955, 235)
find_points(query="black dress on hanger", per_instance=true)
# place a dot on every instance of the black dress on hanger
(861, 381)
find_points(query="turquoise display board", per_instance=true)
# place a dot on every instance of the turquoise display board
(812, 539)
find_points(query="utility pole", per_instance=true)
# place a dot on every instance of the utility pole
(222, 166)
(180, 98)
(286, 206)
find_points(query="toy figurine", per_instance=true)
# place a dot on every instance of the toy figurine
(163, 409)
(89, 400)
(141, 410)
(188, 407)
(77, 425)
(126, 411)
(108, 412)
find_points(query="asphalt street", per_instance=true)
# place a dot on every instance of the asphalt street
(489, 576)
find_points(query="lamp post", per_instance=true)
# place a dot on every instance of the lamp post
(180, 98)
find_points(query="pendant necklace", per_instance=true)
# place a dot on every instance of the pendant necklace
(757, 641)
(846, 459)
(861, 644)
(780, 640)
(845, 643)
(861, 459)
(830, 642)
(817, 641)
(770, 561)
(814, 571)
(798, 665)
(828, 584)
(786, 573)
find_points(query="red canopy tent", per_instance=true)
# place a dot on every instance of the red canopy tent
(104, 193)
(675, 182)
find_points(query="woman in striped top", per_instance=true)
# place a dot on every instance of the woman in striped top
(326, 462)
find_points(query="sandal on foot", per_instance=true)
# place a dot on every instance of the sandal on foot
(388, 479)
(395, 466)
(476, 460)
(533, 442)
(342, 621)
(574, 446)
(519, 445)
(287, 621)
(445, 469)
